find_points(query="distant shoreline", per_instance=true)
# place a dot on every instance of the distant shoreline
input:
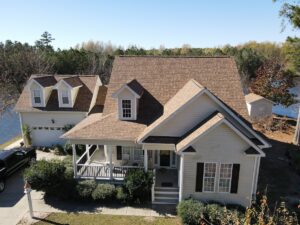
(7, 143)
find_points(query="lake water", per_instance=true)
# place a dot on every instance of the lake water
(9, 126)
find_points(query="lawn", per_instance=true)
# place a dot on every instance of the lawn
(99, 219)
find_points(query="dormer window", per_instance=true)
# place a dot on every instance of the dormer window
(126, 109)
(65, 97)
(67, 90)
(128, 96)
(37, 96)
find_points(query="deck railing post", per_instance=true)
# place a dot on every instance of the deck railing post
(145, 160)
(74, 160)
(87, 149)
(110, 161)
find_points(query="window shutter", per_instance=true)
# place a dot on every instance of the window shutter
(199, 177)
(235, 178)
(119, 152)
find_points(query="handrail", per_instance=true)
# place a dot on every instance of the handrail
(153, 186)
(81, 157)
(103, 170)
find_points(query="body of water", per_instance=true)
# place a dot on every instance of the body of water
(9, 126)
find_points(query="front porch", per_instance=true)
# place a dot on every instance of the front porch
(113, 163)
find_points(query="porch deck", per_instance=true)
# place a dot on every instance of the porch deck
(93, 165)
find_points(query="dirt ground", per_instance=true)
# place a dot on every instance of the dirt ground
(277, 176)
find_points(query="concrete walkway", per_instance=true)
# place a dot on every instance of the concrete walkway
(41, 209)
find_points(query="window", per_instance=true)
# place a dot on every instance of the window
(132, 153)
(126, 153)
(209, 177)
(126, 108)
(65, 97)
(138, 154)
(225, 177)
(37, 96)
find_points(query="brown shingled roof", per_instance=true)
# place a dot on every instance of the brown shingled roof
(73, 81)
(82, 103)
(161, 78)
(136, 87)
(45, 81)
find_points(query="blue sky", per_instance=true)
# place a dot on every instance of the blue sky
(146, 24)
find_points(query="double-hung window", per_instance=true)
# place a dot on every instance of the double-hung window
(126, 109)
(138, 153)
(225, 177)
(37, 96)
(65, 97)
(209, 177)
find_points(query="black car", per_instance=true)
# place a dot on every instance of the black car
(12, 160)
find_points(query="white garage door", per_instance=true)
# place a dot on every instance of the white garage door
(46, 136)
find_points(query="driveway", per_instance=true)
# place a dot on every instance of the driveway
(13, 204)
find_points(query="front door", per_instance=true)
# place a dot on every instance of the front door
(164, 158)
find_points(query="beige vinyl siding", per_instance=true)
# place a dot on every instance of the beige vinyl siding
(221, 145)
(187, 118)
(196, 111)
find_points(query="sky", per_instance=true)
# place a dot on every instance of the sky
(147, 24)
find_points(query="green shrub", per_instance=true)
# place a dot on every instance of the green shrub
(45, 175)
(68, 148)
(104, 192)
(58, 150)
(191, 211)
(120, 194)
(138, 185)
(85, 188)
(80, 149)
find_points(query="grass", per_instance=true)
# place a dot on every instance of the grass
(101, 219)
(4, 145)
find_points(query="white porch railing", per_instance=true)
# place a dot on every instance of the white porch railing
(93, 171)
(103, 171)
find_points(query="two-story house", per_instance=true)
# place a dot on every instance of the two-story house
(183, 117)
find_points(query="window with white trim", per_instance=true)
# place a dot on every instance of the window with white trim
(65, 97)
(209, 177)
(126, 152)
(138, 154)
(37, 96)
(126, 108)
(225, 177)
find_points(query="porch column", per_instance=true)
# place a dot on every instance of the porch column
(87, 149)
(74, 160)
(110, 161)
(181, 170)
(145, 160)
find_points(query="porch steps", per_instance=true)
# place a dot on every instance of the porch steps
(166, 195)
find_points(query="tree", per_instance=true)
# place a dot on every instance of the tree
(273, 82)
(45, 41)
(291, 49)
(248, 61)
(291, 11)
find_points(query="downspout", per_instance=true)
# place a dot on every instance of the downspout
(253, 178)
